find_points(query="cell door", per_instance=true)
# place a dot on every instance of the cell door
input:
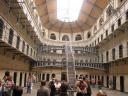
(122, 83)
(114, 82)
(20, 83)
(15, 77)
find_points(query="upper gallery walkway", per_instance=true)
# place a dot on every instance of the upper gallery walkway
(94, 91)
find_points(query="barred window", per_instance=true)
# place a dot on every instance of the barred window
(1, 28)
(113, 54)
(11, 35)
(120, 51)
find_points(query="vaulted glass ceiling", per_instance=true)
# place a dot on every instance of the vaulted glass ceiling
(68, 10)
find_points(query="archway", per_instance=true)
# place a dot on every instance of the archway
(15, 77)
(63, 76)
(47, 77)
(114, 82)
(25, 76)
(122, 83)
(20, 83)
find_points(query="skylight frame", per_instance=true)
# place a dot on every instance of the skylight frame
(68, 10)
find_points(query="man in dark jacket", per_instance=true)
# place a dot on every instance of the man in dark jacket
(43, 91)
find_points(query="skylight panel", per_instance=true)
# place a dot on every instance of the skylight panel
(68, 10)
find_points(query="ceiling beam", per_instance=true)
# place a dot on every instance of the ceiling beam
(47, 8)
(87, 14)
(52, 25)
(70, 27)
(96, 6)
(61, 26)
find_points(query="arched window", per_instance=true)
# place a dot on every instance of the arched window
(53, 36)
(11, 35)
(88, 34)
(1, 28)
(95, 29)
(65, 38)
(109, 10)
(101, 21)
(78, 37)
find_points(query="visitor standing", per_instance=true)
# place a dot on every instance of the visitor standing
(57, 86)
(89, 91)
(17, 91)
(63, 88)
(43, 91)
(0, 87)
(29, 83)
(52, 86)
(81, 87)
(7, 84)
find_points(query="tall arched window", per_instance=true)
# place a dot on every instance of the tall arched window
(53, 36)
(65, 38)
(11, 35)
(88, 34)
(78, 37)
(1, 28)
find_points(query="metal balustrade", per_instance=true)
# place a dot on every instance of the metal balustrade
(43, 64)
(45, 48)
(10, 41)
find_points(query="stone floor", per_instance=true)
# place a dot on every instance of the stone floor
(94, 91)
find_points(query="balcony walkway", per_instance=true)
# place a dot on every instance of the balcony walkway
(94, 92)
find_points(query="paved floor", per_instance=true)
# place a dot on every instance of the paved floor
(94, 91)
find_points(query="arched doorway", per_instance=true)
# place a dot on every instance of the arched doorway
(63, 76)
(47, 77)
(43, 75)
(114, 82)
(107, 81)
(25, 77)
(20, 83)
(122, 83)
(102, 79)
(15, 77)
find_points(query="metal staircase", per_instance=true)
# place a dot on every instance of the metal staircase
(70, 66)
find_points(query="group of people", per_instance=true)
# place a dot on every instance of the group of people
(8, 88)
(83, 87)
(54, 88)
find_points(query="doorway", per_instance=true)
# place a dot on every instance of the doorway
(25, 77)
(48, 77)
(107, 81)
(63, 76)
(43, 75)
(114, 82)
(122, 83)
(15, 77)
(20, 83)
(102, 79)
